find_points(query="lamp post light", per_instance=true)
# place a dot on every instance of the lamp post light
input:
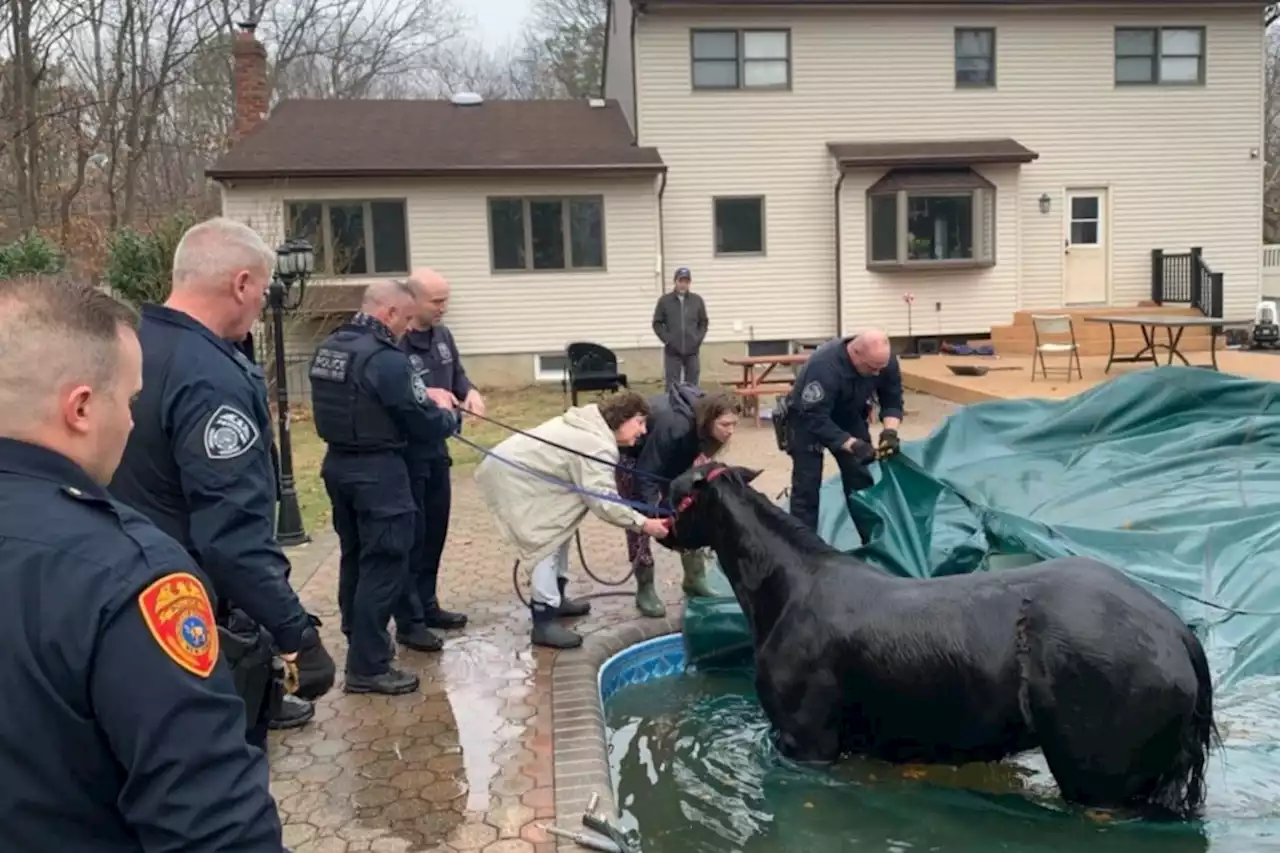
(295, 261)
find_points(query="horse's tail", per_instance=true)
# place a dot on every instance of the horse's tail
(1181, 788)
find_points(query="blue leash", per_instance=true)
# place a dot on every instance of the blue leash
(639, 506)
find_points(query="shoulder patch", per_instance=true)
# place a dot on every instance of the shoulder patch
(415, 361)
(813, 393)
(419, 388)
(229, 433)
(179, 616)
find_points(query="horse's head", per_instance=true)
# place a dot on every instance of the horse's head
(691, 495)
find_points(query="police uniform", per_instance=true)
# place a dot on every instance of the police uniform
(198, 464)
(368, 406)
(434, 356)
(829, 404)
(121, 729)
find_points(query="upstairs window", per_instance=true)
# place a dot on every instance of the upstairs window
(741, 59)
(1172, 56)
(975, 58)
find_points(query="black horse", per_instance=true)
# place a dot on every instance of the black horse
(1068, 655)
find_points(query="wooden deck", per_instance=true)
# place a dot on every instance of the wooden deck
(931, 376)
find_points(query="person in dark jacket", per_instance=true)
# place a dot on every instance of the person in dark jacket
(198, 462)
(680, 322)
(121, 729)
(686, 427)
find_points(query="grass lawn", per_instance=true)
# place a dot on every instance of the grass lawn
(524, 408)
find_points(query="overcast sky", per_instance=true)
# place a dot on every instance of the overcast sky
(498, 21)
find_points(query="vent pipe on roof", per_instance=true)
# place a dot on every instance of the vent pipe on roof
(467, 99)
(596, 103)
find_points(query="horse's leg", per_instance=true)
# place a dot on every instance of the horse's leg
(1100, 738)
(805, 713)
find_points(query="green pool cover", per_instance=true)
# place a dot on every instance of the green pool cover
(1171, 475)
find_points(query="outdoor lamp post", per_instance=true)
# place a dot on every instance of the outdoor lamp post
(295, 261)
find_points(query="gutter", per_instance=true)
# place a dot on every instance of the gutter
(839, 258)
(662, 237)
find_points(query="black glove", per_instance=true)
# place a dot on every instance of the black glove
(890, 444)
(316, 669)
(862, 451)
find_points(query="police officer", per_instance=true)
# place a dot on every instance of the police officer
(368, 406)
(121, 730)
(433, 355)
(198, 463)
(829, 407)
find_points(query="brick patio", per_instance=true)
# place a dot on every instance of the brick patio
(466, 763)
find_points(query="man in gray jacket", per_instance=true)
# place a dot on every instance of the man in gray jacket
(680, 322)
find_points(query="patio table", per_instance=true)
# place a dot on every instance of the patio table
(1173, 327)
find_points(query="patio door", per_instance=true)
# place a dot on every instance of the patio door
(1085, 264)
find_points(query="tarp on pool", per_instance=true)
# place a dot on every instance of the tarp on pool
(1171, 475)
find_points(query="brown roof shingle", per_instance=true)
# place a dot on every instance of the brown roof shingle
(966, 152)
(376, 138)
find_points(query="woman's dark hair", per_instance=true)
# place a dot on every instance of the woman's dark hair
(617, 409)
(708, 409)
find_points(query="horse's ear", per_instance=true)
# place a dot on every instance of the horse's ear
(748, 474)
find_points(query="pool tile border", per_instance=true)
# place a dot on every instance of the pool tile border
(579, 748)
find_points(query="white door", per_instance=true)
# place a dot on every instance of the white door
(1085, 265)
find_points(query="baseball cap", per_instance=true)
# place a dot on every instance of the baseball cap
(682, 272)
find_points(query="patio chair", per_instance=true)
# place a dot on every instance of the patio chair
(1062, 331)
(592, 367)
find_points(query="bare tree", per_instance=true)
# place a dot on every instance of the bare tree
(566, 38)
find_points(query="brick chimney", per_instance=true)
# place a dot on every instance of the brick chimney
(252, 97)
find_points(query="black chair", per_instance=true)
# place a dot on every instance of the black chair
(592, 367)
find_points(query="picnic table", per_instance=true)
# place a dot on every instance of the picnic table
(755, 378)
(1173, 327)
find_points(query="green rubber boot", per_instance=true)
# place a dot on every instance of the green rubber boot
(695, 575)
(647, 600)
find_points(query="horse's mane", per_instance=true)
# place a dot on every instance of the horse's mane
(753, 509)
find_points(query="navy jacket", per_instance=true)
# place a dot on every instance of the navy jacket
(198, 464)
(671, 442)
(434, 356)
(831, 400)
(111, 741)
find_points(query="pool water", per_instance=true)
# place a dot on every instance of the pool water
(694, 771)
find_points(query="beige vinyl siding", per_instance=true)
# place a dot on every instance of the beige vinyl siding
(505, 312)
(1179, 163)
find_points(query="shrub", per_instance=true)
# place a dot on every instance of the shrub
(140, 263)
(32, 254)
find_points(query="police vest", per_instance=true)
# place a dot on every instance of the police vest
(347, 414)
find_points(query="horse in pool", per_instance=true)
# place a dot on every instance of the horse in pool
(1069, 656)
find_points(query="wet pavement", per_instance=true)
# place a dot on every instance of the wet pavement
(465, 763)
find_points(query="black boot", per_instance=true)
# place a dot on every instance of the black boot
(568, 607)
(393, 682)
(419, 638)
(444, 620)
(293, 713)
(549, 633)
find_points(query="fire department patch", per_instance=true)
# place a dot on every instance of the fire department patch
(177, 611)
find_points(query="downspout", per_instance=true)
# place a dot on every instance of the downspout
(839, 261)
(662, 237)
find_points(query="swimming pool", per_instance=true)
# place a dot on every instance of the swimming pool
(693, 769)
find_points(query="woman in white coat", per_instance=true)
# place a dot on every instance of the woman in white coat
(539, 517)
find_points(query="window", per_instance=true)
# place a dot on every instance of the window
(975, 57)
(550, 367)
(756, 349)
(741, 59)
(1160, 55)
(930, 218)
(546, 233)
(352, 237)
(739, 224)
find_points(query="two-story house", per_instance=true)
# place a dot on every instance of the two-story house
(827, 156)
